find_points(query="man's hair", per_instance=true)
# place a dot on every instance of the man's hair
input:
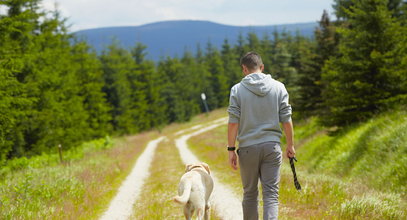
(251, 60)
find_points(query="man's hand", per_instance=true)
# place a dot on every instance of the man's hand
(290, 151)
(233, 159)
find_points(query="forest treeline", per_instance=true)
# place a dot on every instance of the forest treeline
(54, 88)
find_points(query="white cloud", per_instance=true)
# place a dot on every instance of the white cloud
(99, 13)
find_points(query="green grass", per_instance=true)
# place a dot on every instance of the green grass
(45, 160)
(374, 152)
(30, 187)
(80, 188)
(358, 173)
(372, 206)
(162, 185)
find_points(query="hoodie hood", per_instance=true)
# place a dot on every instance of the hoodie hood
(258, 83)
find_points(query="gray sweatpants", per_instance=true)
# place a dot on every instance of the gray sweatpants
(260, 161)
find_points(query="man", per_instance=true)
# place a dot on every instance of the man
(258, 104)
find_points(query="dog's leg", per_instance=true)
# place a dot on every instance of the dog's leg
(207, 211)
(201, 213)
(188, 211)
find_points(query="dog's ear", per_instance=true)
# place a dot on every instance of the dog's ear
(188, 167)
(206, 166)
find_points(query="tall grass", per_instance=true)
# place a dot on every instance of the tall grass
(45, 160)
(371, 206)
(36, 193)
(36, 187)
(358, 173)
(41, 187)
(374, 152)
(162, 185)
(80, 188)
(343, 175)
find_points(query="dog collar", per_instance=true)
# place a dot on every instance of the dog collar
(195, 167)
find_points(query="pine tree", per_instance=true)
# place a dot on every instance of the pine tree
(357, 83)
(281, 60)
(193, 86)
(204, 79)
(40, 46)
(218, 79)
(139, 87)
(395, 64)
(149, 86)
(302, 95)
(118, 67)
(60, 116)
(341, 7)
(90, 80)
(313, 58)
(170, 73)
(231, 65)
(267, 53)
(241, 48)
(253, 43)
(14, 109)
(16, 46)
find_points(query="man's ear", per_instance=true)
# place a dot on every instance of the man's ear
(261, 67)
(206, 166)
(244, 69)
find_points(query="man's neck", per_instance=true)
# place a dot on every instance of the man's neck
(255, 71)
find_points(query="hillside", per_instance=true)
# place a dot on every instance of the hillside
(171, 38)
(357, 173)
(374, 152)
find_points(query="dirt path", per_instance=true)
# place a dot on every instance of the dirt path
(121, 206)
(225, 203)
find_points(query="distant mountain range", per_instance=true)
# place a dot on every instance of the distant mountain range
(172, 38)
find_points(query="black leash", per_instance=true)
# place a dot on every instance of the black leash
(296, 183)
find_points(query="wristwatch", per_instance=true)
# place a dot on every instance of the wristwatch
(231, 148)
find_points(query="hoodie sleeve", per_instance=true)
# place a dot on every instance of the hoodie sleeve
(234, 106)
(285, 107)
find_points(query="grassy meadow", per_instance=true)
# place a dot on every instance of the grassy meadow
(354, 173)
(79, 188)
(57, 88)
(82, 186)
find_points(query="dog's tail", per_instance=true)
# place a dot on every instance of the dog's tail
(183, 199)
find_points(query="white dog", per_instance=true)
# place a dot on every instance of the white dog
(194, 190)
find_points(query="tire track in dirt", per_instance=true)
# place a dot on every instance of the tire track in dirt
(121, 206)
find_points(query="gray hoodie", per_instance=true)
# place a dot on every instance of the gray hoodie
(258, 103)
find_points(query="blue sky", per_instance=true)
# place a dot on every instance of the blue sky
(83, 14)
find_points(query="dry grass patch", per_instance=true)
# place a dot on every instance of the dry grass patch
(125, 155)
(101, 174)
(196, 120)
(79, 188)
(155, 201)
